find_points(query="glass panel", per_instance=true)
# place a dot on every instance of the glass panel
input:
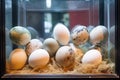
(61, 36)
(8, 24)
(21, 13)
(110, 23)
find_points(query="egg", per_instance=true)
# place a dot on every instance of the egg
(79, 35)
(19, 35)
(61, 34)
(92, 57)
(38, 58)
(65, 56)
(17, 58)
(33, 45)
(51, 45)
(99, 34)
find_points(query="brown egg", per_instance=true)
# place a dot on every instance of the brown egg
(17, 58)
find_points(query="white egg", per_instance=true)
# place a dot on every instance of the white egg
(65, 56)
(51, 45)
(38, 58)
(92, 57)
(33, 45)
(17, 58)
(79, 35)
(61, 34)
(98, 35)
(20, 35)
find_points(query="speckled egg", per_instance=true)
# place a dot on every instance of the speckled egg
(19, 35)
(61, 34)
(79, 35)
(51, 45)
(38, 58)
(33, 45)
(99, 35)
(92, 57)
(17, 58)
(65, 56)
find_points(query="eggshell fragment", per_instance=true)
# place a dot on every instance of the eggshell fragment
(20, 35)
(51, 45)
(65, 56)
(17, 58)
(92, 57)
(79, 35)
(98, 35)
(33, 45)
(38, 58)
(61, 34)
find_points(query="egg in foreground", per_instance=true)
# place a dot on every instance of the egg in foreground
(92, 57)
(65, 56)
(17, 58)
(38, 58)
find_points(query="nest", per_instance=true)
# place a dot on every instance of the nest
(76, 68)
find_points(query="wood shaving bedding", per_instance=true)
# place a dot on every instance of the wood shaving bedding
(77, 68)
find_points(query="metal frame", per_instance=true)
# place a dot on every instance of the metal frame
(2, 37)
(2, 49)
(60, 76)
(101, 12)
(117, 36)
(14, 15)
